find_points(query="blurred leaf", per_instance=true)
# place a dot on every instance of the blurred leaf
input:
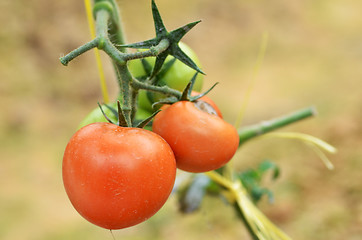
(268, 165)
(251, 179)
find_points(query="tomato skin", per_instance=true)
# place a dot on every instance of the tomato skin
(117, 177)
(177, 77)
(200, 141)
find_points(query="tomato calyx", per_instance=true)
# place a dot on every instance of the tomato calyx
(172, 38)
(205, 107)
(121, 118)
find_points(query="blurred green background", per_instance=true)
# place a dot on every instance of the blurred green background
(314, 57)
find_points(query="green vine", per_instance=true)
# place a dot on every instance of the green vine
(111, 40)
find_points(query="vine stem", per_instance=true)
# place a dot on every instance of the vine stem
(161, 89)
(107, 25)
(252, 131)
(234, 189)
(259, 226)
(78, 51)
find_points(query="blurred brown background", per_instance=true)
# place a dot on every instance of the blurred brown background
(314, 57)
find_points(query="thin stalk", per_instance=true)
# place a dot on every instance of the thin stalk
(241, 215)
(102, 19)
(116, 32)
(232, 188)
(103, 42)
(134, 95)
(117, 56)
(258, 225)
(76, 52)
(252, 131)
(161, 89)
(126, 92)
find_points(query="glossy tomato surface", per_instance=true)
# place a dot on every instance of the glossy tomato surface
(117, 177)
(201, 141)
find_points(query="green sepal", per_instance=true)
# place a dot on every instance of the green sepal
(121, 118)
(113, 110)
(145, 122)
(160, 59)
(169, 100)
(146, 66)
(107, 118)
(180, 55)
(158, 22)
(165, 68)
(186, 93)
(147, 44)
(173, 37)
(197, 97)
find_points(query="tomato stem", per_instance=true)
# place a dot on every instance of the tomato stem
(76, 52)
(249, 132)
(161, 89)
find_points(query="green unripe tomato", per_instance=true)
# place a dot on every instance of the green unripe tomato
(96, 115)
(177, 76)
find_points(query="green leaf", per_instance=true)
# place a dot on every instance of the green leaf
(107, 118)
(268, 165)
(251, 179)
(192, 99)
(257, 193)
(144, 123)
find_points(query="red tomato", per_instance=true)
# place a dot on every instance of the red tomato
(200, 141)
(117, 177)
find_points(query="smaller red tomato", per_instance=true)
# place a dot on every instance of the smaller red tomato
(200, 141)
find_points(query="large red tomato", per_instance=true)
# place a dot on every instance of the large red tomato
(200, 139)
(117, 177)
